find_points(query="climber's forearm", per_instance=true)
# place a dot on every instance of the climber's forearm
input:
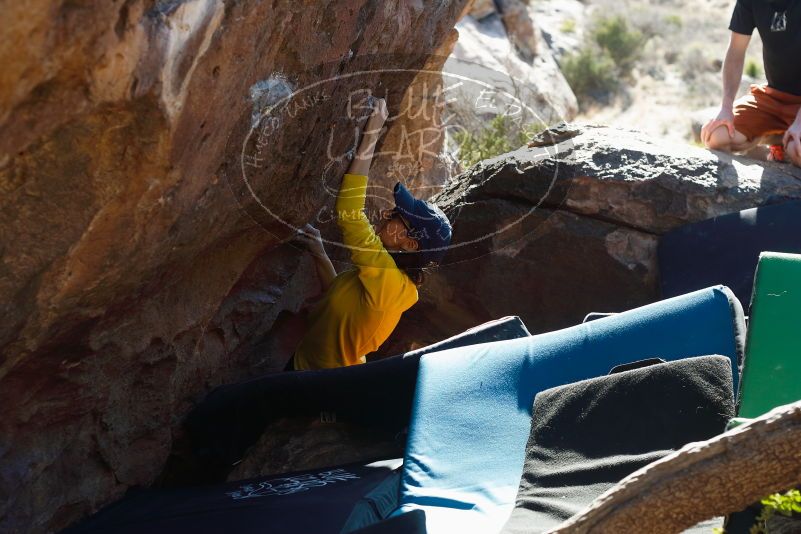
(364, 154)
(325, 270)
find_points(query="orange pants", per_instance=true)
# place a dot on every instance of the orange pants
(765, 111)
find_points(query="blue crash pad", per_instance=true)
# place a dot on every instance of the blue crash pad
(724, 250)
(471, 412)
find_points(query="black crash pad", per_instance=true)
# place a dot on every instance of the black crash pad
(587, 436)
(725, 249)
(373, 395)
(317, 501)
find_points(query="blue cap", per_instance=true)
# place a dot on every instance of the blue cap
(431, 227)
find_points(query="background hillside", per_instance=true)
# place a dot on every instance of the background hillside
(675, 68)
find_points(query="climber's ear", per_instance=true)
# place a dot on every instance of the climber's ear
(410, 245)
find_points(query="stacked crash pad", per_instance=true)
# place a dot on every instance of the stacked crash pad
(725, 249)
(469, 425)
(472, 408)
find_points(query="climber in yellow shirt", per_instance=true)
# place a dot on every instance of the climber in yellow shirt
(360, 307)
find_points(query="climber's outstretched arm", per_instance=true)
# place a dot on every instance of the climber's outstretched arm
(372, 131)
(310, 237)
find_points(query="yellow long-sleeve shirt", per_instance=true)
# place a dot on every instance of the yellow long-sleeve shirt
(363, 305)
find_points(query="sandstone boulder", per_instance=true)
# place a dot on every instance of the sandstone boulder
(154, 155)
(482, 8)
(532, 77)
(520, 27)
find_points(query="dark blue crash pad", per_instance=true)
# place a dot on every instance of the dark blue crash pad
(375, 395)
(317, 501)
(725, 250)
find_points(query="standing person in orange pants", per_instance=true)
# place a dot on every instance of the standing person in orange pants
(361, 307)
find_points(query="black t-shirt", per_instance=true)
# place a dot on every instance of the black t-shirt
(779, 25)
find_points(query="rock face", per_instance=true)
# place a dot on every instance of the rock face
(523, 33)
(412, 149)
(570, 226)
(139, 265)
(506, 43)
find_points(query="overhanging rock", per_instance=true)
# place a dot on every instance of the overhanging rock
(131, 278)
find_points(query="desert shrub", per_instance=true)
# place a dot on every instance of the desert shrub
(590, 72)
(787, 504)
(752, 69)
(500, 135)
(611, 49)
(674, 20)
(623, 44)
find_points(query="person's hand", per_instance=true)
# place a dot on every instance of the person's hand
(793, 133)
(379, 115)
(309, 236)
(725, 117)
